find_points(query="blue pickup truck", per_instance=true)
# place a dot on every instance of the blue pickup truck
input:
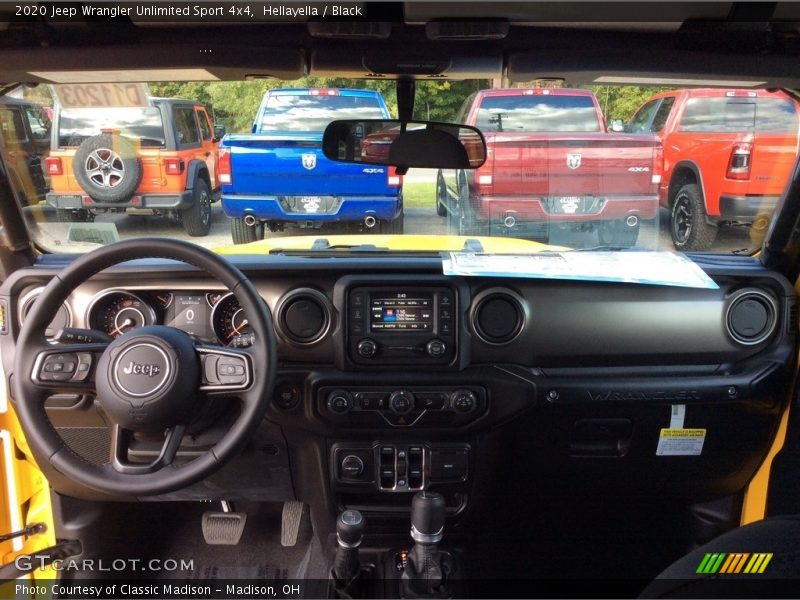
(278, 176)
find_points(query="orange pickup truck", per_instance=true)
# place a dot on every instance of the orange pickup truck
(728, 154)
(160, 157)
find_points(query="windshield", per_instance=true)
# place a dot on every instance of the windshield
(582, 168)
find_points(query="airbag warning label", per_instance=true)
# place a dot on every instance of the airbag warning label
(681, 442)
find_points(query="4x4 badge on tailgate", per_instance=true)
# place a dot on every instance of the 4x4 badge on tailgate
(309, 161)
(573, 161)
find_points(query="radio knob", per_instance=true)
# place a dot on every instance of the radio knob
(436, 348)
(401, 402)
(367, 348)
(464, 401)
(340, 402)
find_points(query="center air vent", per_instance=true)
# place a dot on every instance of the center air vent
(304, 316)
(498, 316)
(751, 317)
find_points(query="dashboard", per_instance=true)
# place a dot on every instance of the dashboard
(393, 377)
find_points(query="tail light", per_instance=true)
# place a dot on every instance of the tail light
(393, 179)
(658, 165)
(53, 166)
(330, 92)
(224, 166)
(173, 166)
(484, 179)
(740, 161)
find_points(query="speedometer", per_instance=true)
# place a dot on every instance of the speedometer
(228, 319)
(117, 313)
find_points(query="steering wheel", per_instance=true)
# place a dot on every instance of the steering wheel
(150, 380)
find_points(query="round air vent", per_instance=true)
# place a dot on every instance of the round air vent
(498, 316)
(304, 316)
(751, 317)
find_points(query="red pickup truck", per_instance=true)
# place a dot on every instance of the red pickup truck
(728, 155)
(551, 162)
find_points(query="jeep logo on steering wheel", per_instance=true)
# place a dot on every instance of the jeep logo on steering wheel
(140, 369)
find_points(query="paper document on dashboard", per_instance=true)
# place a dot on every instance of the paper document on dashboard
(650, 268)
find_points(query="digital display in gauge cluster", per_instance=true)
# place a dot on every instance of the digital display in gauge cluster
(191, 313)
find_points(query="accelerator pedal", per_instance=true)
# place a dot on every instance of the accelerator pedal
(223, 528)
(291, 519)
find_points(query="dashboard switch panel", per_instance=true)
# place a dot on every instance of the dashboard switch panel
(399, 466)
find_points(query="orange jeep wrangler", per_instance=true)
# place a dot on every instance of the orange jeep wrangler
(160, 157)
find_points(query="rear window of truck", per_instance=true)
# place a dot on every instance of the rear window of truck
(285, 112)
(538, 114)
(141, 124)
(732, 115)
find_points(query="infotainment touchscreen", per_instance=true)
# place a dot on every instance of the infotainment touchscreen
(399, 311)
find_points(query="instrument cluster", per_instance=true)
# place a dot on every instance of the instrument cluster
(213, 317)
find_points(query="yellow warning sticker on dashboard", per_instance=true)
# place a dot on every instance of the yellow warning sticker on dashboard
(681, 442)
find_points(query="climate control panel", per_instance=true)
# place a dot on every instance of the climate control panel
(429, 406)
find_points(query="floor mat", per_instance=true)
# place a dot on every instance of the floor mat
(167, 542)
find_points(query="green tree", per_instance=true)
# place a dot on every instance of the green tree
(620, 102)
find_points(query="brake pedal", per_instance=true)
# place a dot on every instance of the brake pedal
(223, 528)
(290, 522)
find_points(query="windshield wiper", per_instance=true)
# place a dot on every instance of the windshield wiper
(605, 248)
(323, 245)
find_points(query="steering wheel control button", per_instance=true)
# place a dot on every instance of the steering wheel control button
(58, 367)
(84, 366)
(231, 370)
(367, 348)
(401, 402)
(340, 402)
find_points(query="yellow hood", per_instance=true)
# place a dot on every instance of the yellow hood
(399, 243)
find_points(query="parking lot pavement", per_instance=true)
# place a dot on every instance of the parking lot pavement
(419, 220)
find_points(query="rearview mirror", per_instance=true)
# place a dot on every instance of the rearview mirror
(219, 131)
(616, 126)
(414, 144)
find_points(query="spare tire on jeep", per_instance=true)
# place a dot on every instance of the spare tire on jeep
(107, 168)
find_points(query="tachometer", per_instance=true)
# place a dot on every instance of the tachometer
(117, 313)
(62, 319)
(228, 319)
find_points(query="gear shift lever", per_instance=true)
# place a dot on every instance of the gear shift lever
(423, 576)
(349, 533)
(427, 517)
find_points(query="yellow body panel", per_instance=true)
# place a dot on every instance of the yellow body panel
(397, 243)
(24, 492)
